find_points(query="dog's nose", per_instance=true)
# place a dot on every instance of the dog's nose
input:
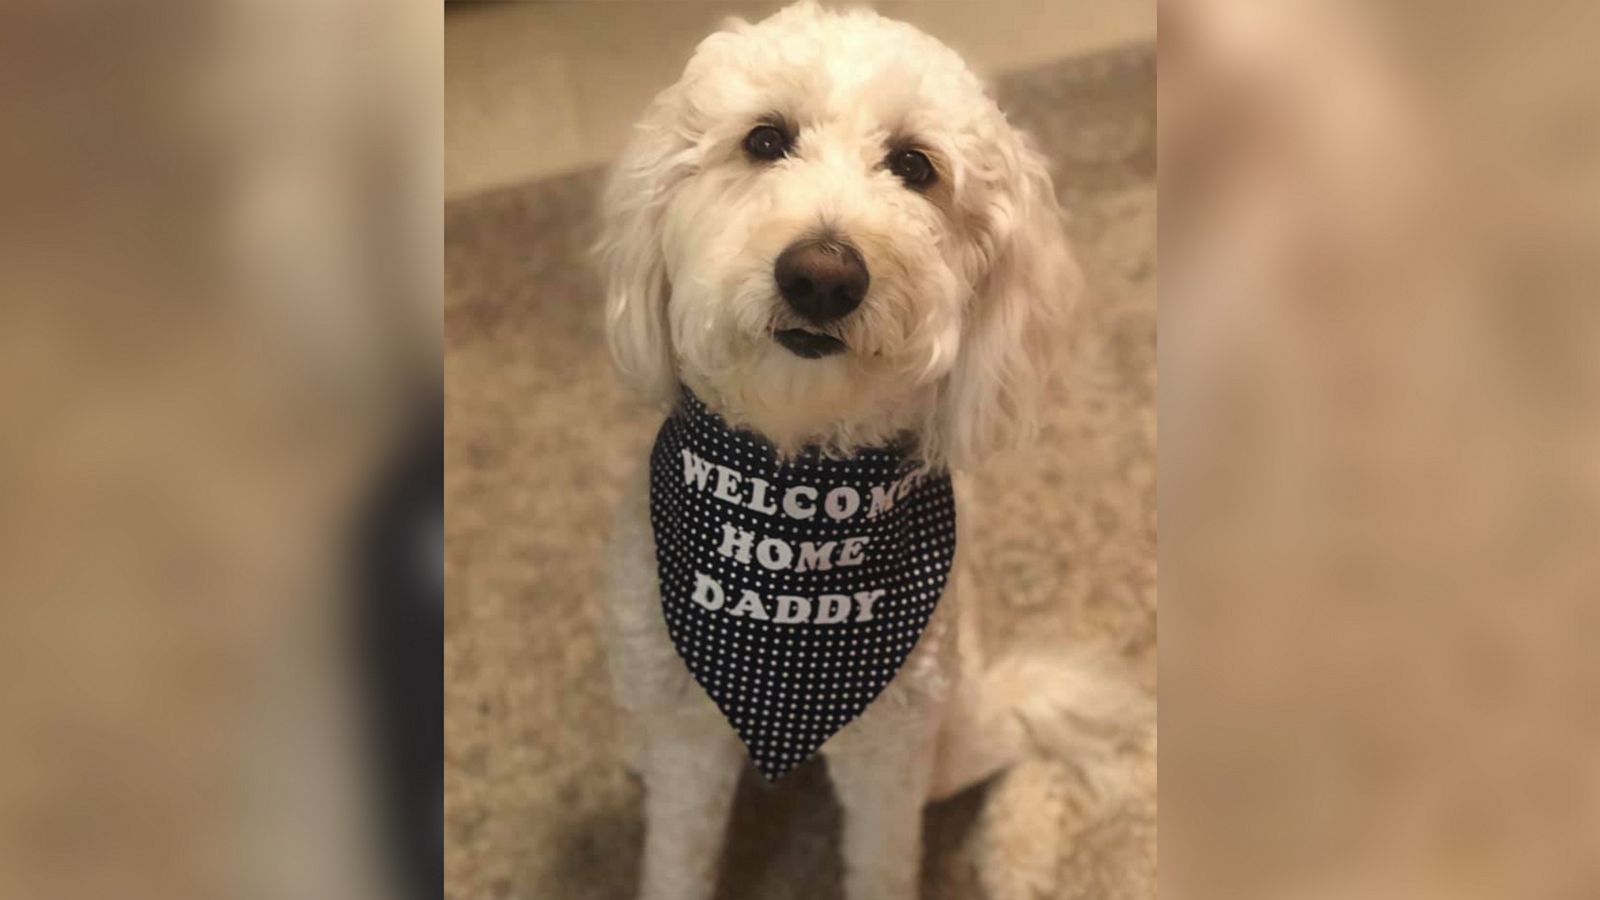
(821, 279)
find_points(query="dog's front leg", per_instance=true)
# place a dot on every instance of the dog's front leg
(880, 769)
(691, 768)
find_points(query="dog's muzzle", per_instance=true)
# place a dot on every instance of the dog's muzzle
(822, 280)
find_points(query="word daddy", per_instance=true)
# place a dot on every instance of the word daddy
(799, 502)
(829, 609)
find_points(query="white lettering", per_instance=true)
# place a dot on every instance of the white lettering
(832, 609)
(829, 609)
(736, 543)
(758, 497)
(793, 609)
(883, 498)
(842, 503)
(727, 485)
(695, 470)
(791, 502)
(707, 592)
(852, 554)
(818, 557)
(866, 599)
(798, 502)
(749, 604)
(774, 554)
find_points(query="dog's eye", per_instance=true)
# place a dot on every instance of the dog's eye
(912, 167)
(767, 142)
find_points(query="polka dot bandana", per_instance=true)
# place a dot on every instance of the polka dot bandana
(793, 589)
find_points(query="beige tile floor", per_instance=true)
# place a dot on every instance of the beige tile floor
(541, 88)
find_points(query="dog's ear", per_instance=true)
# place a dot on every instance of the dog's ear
(990, 399)
(637, 288)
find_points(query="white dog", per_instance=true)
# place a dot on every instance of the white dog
(831, 236)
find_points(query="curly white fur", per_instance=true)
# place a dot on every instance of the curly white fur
(970, 279)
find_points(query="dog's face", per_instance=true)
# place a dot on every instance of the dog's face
(829, 233)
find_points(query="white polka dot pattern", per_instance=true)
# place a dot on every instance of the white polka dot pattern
(793, 590)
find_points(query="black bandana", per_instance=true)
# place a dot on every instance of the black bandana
(793, 590)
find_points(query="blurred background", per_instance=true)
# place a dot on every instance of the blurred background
(539, 438)
(219, 449)
(1380, 476)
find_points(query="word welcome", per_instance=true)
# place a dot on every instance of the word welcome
(798, 502)
(829, 609)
